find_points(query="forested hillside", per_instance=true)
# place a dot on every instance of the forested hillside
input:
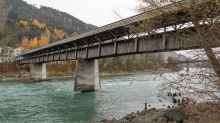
(49, 15)
(22, 22)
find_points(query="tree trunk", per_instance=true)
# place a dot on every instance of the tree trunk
(207, 45)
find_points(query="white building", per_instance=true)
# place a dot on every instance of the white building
(8, 54)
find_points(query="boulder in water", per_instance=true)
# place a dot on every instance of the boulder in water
(39, 80)
(105, 120)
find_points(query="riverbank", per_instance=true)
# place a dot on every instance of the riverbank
(201, 112)
(14, 77)
(26, 75)
(136, 72)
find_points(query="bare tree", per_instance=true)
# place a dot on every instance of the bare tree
(201, 16)
(186, 24)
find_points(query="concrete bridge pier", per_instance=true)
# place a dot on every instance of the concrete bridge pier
(38, 71)
(87, 75)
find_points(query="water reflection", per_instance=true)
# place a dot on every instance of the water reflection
(83, 104)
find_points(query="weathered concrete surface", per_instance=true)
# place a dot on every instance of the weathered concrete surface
(87, 75)
(38, 71)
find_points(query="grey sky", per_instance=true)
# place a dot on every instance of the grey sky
(97, 12)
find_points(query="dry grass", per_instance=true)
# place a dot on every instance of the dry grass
(11, 68)
(198, 113)
(207, 113)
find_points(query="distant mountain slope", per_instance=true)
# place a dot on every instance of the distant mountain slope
(181, 57)
(49, 15)
(20, 21)
(92, 26)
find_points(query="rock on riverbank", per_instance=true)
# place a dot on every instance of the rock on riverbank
(152, 116)
(202, 112)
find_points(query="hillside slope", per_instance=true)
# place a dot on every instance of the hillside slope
(181, 57)
(35, 27)
(49, 15)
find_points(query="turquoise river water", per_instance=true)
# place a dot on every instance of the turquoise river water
(56, 101)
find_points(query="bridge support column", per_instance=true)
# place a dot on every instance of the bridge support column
(38, 71)
(87, 75)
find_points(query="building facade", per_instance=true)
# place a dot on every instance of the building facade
(8, 54)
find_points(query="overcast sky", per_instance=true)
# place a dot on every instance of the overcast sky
(96, 12)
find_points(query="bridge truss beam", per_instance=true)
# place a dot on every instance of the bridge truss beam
(111, 49)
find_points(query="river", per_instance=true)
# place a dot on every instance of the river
(56, 101)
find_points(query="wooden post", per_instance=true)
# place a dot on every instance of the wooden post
(59, 54)
(76, 54)
(145, 106)
(66, 55)
(39, 58)
(35, 58)
(115, 47)
(164, 42)
(99, 52)
(136, 45)
(53, 54)
(86, 52)
(43, 57)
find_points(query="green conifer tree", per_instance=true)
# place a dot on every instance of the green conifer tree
(12, 38)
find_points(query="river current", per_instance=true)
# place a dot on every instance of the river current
(56, 101)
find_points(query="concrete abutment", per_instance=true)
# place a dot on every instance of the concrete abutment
(87, 75)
